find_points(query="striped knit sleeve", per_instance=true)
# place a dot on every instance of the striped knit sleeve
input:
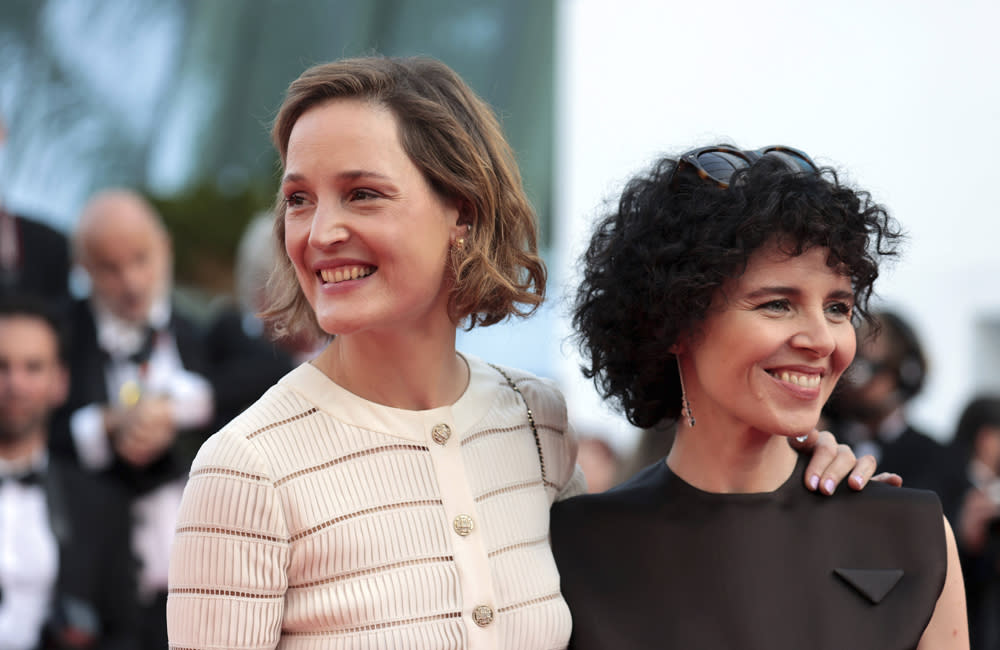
(230, 553)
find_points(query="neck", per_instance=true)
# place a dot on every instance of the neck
(725, 461)
(410, 371)
(24, 448)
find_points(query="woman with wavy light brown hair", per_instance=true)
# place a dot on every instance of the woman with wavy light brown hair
(392, 492)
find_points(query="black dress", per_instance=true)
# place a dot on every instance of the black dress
(658, 563)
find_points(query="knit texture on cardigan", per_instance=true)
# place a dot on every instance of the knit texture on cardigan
(317, 519)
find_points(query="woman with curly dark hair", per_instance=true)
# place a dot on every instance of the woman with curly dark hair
(723, 292)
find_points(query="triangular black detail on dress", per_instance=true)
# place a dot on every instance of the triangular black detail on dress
(874, 584)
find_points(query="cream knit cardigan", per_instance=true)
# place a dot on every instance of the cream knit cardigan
(317, 519)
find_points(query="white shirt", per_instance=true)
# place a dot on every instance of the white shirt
(29, 560)
(192, 405)
(190, 394)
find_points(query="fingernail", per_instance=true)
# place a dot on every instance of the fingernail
(813, 482)
(856, 480)
(828, 486)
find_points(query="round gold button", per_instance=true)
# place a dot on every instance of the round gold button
(440, 433)
(463, 525)
(482, 615)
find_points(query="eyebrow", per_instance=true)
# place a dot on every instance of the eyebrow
(840, 294)
(354, 174)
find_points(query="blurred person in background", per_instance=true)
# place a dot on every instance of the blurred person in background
(868, 409)
(34, 258)
(66, 572)
(599, 461)
(977, 446)
(243, 356)
(139, 400)
(256, 257)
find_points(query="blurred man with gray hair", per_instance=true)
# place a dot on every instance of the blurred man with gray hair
(139, 400)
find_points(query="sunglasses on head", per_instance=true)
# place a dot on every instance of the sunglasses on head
(718, 163)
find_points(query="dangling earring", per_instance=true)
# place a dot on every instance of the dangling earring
(685, 404)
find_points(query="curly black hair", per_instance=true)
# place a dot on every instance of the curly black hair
(654, 264)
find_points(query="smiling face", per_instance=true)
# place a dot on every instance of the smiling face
(32, 380)
(368, 236)
(773, 345)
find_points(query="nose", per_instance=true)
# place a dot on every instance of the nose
(815, 334)
(330, 226)
(133, 277)
(13, 381)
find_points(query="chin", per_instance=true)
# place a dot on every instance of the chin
(335, 326)
(795, 427)
(135, 317)
(133, 311)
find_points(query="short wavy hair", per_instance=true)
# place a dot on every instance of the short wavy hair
(454, 138)
(654, 264)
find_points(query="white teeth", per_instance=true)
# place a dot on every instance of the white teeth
(347, 273)
(806, 381)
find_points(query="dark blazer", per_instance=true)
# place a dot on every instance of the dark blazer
(241, 366)
(88, 386)
(95, 593)
(926, 464)
(44, 262)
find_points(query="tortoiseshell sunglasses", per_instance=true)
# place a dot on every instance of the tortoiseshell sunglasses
(718, 163)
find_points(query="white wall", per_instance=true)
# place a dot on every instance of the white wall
(902, 96)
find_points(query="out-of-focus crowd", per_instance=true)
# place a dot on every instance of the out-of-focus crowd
(104, 400)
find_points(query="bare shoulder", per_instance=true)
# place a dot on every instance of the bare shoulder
(948, 627)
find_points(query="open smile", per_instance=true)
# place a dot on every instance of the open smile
(343, 274)
(804, 380)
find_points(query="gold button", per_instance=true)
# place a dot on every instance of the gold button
(482, 615)
(441, 433)
(463, 525)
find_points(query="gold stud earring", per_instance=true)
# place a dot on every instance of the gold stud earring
(459, 242)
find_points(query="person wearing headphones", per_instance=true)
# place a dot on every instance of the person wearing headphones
(868, 410)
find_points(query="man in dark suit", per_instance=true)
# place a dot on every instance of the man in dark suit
(139, 402)
(66, 575)
(34, 258)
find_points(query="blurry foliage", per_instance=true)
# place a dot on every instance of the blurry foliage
(205, 224)
(177, 96)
